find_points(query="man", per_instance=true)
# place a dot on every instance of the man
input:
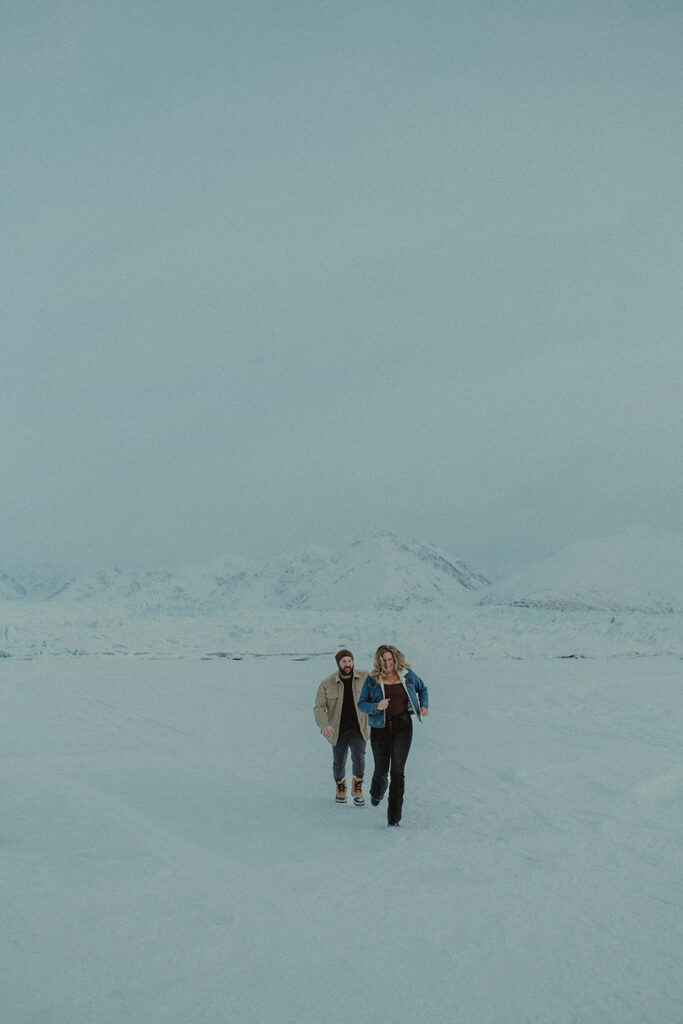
(343, 725)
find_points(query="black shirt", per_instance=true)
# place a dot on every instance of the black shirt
(349, 716)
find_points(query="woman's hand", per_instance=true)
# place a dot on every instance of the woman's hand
(424, 712)
(384, 703)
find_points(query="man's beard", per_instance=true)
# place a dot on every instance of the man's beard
(347, 674)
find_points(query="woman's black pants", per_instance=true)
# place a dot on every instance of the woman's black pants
(390, 748)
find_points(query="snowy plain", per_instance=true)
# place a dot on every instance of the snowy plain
(171, 850)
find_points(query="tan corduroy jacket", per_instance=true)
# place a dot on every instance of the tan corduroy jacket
(329, 700)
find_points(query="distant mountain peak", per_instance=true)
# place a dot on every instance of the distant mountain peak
(637, 570)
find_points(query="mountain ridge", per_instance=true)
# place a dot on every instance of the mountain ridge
(377, 570)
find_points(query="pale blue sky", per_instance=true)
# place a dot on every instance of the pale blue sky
(273, 272)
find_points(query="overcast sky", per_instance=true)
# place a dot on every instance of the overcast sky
(275, 271)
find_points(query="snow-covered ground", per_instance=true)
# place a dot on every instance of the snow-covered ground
(33, 630)
(172, 854)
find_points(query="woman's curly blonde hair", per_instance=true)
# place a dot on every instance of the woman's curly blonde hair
(378, 665)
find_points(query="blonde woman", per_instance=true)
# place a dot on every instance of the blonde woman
(392, 694)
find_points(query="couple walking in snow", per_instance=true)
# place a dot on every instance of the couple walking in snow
(352, 706)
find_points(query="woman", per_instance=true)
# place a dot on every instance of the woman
(391, 695)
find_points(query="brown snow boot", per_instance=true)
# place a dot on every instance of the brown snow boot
(341, 791)
(357, 792)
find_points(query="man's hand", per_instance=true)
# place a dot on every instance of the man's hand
(327, 732)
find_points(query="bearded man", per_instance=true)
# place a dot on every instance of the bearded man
(343, 725)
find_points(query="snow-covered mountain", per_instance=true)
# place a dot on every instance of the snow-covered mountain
(639, 570)
(377, 571)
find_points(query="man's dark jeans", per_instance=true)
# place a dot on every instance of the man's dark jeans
(353, 741)
(390, 748)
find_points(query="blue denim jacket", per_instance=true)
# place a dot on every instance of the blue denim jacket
(373, 692)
